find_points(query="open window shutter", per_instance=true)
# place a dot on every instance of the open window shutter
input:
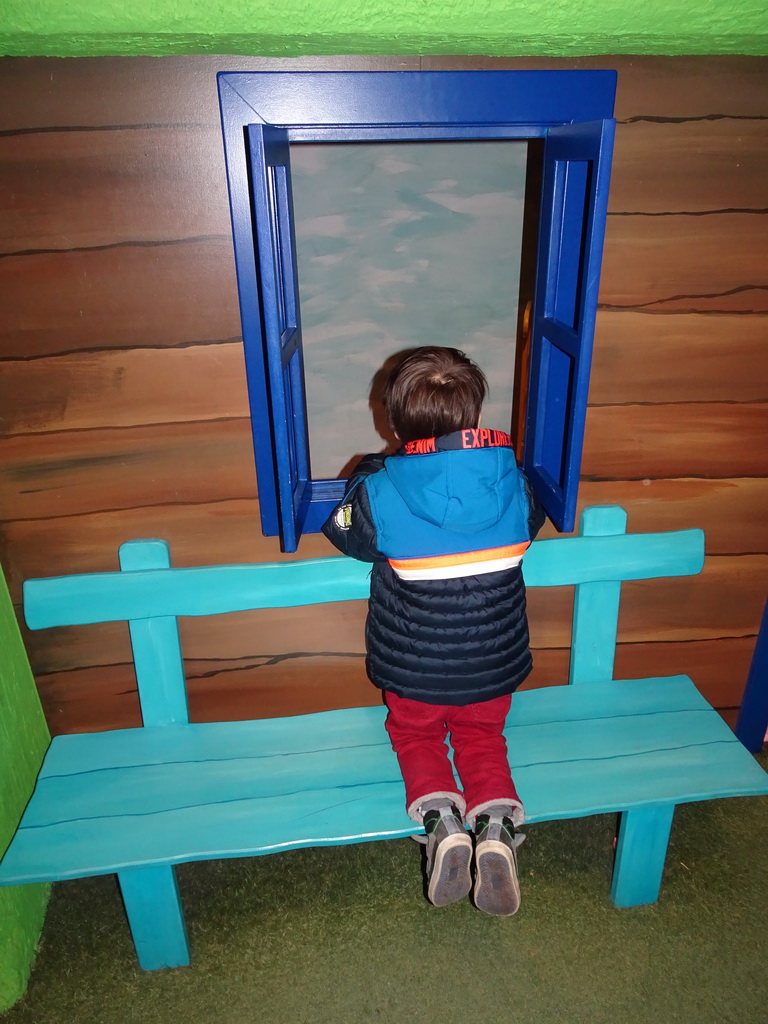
(273, 218)
(574, 192)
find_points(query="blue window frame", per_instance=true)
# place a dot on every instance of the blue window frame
(264, 112)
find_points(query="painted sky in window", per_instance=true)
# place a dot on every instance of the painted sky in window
(399, 245)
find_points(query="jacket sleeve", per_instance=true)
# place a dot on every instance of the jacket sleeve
(350, 526)
(536, 514)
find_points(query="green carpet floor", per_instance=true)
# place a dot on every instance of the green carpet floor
(344, 935)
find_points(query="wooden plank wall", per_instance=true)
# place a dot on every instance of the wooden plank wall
(123, 405)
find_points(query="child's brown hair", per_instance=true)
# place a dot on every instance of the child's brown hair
(433, 391)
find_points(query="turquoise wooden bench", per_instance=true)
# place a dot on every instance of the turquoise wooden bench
(138, 801)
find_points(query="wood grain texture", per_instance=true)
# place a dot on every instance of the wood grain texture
(718, 667)
(692, 87)
(205, 533)
(105, 91)
(620, 440)
(639, 357)
(123, 387)
(72, 472)
(168, 183)
(140, 91)
(93, 188)
(120, 296)
(83, 471)
(733, 513)
(222, 689)
(266, 634)
(702, 439)
(679, 264)
(725, 600)
(693, 166)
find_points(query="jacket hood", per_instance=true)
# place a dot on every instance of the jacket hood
(465, 491)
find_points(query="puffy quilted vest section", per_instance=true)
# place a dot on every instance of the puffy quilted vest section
(453, 641)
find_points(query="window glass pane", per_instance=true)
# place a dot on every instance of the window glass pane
(398, 245)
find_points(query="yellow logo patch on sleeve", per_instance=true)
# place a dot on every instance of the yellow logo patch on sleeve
(343, 517)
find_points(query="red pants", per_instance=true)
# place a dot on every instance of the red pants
(418, 734)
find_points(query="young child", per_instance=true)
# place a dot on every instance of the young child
(446, 521)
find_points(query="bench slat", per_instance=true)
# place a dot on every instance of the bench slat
(680, 775)
(207, 832)
(171, 779)
(205, 590)
(211, 590)
(159, 789)
(227, 800)
(323, 731)
(330, 730)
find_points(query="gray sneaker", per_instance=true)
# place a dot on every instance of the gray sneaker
(497, 890)
(449, 856)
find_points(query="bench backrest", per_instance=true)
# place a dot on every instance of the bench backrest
(150, 595)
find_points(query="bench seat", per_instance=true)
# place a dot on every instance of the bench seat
(171, 794)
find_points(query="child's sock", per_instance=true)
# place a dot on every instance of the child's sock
(437, 803)
(499, 811)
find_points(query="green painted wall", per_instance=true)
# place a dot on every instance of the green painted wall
(23, 740)
(298, 27)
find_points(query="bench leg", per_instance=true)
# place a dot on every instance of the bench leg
(640, 854)
(152, 903)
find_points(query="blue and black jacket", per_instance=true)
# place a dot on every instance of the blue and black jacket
(446, 522)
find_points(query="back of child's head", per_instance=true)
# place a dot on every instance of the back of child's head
(433, 391)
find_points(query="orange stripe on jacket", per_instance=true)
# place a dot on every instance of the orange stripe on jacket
(465, 558)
